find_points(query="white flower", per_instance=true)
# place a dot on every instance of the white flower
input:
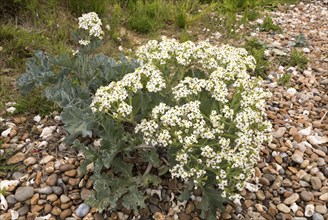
(91, 23)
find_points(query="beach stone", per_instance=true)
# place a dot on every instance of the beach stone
(316, 183)
(36, 208)
(322, 209)
(47, 159)
(23, 210)
(55, 211)
(283, 208)
(324, 197)
(280, 132)
(64, 199)
(291, 199)
(11, 199)
(30, 161)
(297, 158)
(306, 196)
(82, 210)
(66, 167)
(47, 208)
(52, 180)
(317, 216)
(70, 173)
(19, 157)
(45, 190)
(35, 199)
(17, 175)
(66, 213)
(24, 193)
(57, 190)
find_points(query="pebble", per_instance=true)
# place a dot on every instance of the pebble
(322, 209)
(45, 190)
(51, 180)
(30, 161)
(291, 199)
(47, 159)
(283, 208)
(66, 213)
(64, 199)
(57, 190)
(316, 183)
(307, 196)
(297, 158)
(24, 193)
(19, 157)
(23, 210)
(66, 167)
(82, 210)
(324, 197)
(280, 132)
(317, 216)
(309, 210)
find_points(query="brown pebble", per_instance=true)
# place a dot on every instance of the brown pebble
(36, 208)
(56, 211)
(66, 167)
(13, 133)
(35, 199)
(52, 197)
(73, 181)
(66, 213)
(38, 178)
(47, 209)
(52, 180)
(66, 205)
(70, 173)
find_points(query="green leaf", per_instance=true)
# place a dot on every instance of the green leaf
(77, 122)
(89, 153)
(151, 156)
(121, 167)
(151, 179)
(38, 72)
(162, 170)
(134, 200)
(211, 201)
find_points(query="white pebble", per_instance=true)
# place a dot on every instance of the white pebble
(6, 132)
(11, 110)
(306, 50)
(37, 118)
(306, 131)
(291, 91)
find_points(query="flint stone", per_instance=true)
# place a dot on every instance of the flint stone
(24, 193)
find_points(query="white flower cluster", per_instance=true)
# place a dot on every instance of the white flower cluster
(184, 125)
(91, 23)
(112, 98)
(221, 137)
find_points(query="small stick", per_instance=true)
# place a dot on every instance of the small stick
(323, 116)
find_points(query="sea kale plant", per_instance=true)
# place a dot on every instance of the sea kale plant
(195, 106)
(202, 105)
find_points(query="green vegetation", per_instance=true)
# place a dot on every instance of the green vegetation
(268, 25)
(257, 49)
(31, 103)
(297, 58)
(285, 79)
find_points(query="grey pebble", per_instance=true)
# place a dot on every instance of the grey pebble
(24, 193)
(82, 210)
(317, 216)
(45, 190)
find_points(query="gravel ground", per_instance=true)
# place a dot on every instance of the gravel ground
(292, 175)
